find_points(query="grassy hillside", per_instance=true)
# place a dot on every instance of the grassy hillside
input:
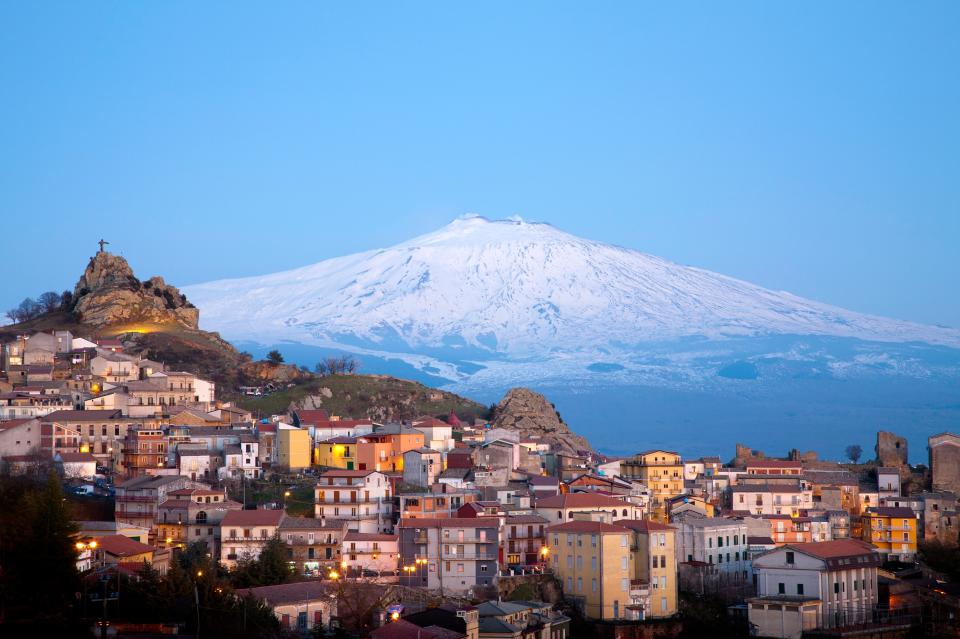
(378, 397)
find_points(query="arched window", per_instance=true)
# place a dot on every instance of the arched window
(624, 512)
(202, 517)
(559, 515)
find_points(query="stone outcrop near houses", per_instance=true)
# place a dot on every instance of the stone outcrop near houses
(529, 413)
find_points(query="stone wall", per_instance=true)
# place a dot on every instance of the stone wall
(891, 449)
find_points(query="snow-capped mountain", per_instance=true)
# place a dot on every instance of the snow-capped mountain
(517, 290)
(479, 306)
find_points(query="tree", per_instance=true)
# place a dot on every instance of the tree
(49, 301)
(274, 357)
(66, 300)
(271, 566)
(853, 452)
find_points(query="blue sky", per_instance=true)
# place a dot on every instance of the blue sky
(808, 147)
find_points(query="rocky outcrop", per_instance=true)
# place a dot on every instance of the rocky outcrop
(529, 413)
(108, 294)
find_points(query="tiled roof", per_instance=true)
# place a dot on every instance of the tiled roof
(359, 536)
(83, 415)
(899, 513)
(120, 546)
(579, 500)
(253, 518)
(289, 593)
(452, 522)
(77, 458)
(586, 527)
(643, 525)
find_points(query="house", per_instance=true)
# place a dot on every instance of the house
(144, 449)
(19, 436)
(294, 448)
(523, 540)
(76, 465)
(888, 481)
(198, 463)
(801, 587)
(441, 502)
(450, 555)
(520, 619)
(403, 629)
(561, 508)
(439, 434)
(717, 542)
(303, 606)
(363, 553)
(771, 498)
(191, 515)
(892, 530)
(461, 620)
(242, 459)
(661, 471)
(337, 452)
(138, 499)
(244, 533)
(361, 497)
(421, 466)
(118, 550)
(312, 545)
(623, 570)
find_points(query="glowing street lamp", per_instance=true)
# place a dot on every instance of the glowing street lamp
(333, 574)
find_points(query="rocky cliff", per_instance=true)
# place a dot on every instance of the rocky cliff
(528, 412)
(109, 294)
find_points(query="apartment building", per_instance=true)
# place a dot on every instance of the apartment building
(366, 553)
(313, 546)
(360, 497)
(717, 542)
(144, 449)
(449, 555)
(598, 565)
(422, 466)
(892, 530)
(138, 499)
(654, 548)
(190, 515)
(801, 587)
(523, 540)
(563, 507)
(244, 533)
(771, 499)
(661, 471)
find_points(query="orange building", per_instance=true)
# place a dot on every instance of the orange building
(383, 450)
(143, 449)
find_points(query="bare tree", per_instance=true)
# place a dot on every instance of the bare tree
(853, 452)
(49, 301)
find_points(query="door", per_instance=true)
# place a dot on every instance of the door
(349, 465)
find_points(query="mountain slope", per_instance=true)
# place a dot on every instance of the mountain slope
(516, 289)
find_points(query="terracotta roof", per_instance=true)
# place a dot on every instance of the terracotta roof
(120, 546)
(452, 522)
(13, 423)
(83, 415)
(312, 416)
(643, 525)
(346, 473)
(253, 518)
(289, 593)
(526, 519)
(774, 463)
(586, 527)
(579, 500)
(899, 513)
(339, 440)
(401, 629)
(839, 549)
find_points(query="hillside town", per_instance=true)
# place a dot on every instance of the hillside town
(451, 529)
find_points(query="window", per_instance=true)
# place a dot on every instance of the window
(719, 541)
(836, 587)
(799, 589)
(593, 584)
(790, 557)
(781, 588)
(663, 561)
(579, 584)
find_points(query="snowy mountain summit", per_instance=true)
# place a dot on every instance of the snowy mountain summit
(515, 290)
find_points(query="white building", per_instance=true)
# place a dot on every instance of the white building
(800, 587)
(377, 552)
(771, 499)
(888, 481)
(244, 533)
(715, 540)
(422, 466)
(359, 497)
(241, 459)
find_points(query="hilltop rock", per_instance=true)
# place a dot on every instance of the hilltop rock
(108, 294)
(529, 412)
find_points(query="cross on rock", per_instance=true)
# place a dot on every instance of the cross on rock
(102, 242)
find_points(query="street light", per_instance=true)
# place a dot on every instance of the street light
(333, 574)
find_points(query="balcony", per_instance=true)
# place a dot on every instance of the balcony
(468, 557)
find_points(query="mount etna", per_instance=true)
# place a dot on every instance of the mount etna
(633, 349)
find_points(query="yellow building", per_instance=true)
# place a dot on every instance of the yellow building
(337, 452)
(892, 530)
(294, 448)
(625, 570)
(661, 471)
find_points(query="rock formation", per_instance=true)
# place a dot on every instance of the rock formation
(529, 413)
(108, 294)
